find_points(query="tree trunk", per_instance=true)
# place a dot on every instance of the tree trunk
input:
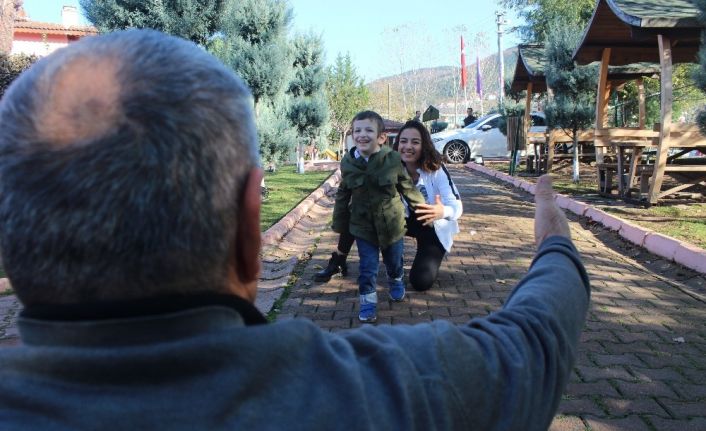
(7, 24)
(576, 156)
(300, 158)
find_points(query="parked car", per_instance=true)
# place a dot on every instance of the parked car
(480, 138)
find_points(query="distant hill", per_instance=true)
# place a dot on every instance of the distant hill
(440, 87)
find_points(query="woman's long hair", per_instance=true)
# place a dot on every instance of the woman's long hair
(430, 160)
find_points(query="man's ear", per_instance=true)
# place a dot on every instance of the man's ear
(248, 240)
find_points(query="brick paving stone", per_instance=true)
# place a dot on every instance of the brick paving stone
(592, 374)
(567, 423)
(629, 423)
(694, 424)
(605, 360)
(644, 389)
(692, 391)
(634, 347)
(696, 376)
(584, 405)
(629, 337)
(667, 374)
(588, 335)
(601, 388)
(619, 407)
(684, 410)
(666, 360)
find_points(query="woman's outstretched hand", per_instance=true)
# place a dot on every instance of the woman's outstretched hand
(428, 213)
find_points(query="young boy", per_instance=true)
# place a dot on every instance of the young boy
(368, 205)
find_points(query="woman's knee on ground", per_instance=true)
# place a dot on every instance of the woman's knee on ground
(421, 280)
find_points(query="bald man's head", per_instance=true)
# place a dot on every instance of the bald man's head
(122, 160)
(82, 100)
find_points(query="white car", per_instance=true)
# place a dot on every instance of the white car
(480, 138)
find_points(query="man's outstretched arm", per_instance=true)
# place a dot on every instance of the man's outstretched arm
(507, 370)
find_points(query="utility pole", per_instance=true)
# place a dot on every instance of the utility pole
(500, 21)
(389, 102)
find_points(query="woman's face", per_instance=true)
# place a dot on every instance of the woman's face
(410, 146)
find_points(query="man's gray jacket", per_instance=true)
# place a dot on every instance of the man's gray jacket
(218, 366)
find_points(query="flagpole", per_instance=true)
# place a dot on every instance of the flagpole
(479, 84)
(463, 74)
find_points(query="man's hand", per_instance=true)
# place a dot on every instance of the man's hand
(428, 213)
(549, 219)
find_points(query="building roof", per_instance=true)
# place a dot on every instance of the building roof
(530, 68)
(392, 125)
(33, 27)
(630, 29)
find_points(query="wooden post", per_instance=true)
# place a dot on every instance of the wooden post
(602, 99)
(665, 81)
(528, 102)
(641, 101)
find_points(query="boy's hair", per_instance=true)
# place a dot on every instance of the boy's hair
(372, 116)
(430, 159)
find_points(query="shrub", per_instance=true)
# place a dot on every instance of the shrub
(11, 66)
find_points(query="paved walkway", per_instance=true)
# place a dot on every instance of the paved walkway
(642, 359)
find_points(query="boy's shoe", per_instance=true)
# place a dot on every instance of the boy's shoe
(397, 290)
(368, 308)
(336, 264)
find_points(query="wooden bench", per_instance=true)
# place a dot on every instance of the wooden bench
(605, 177)
(682, 138)
(607, 171)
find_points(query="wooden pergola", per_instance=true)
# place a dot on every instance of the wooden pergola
(529, 77)
(623, 32)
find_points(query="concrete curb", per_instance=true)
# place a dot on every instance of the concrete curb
(277, 231)
(664, 246)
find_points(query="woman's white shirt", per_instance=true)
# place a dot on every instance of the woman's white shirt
(439, 183)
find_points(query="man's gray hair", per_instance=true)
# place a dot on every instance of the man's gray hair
(137, 201)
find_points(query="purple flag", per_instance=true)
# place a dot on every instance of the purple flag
(479, 84)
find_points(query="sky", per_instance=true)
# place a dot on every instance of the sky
(383, 37)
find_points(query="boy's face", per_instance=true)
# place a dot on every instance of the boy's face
(366, 137)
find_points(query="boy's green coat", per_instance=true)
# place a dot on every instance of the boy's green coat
(368, 201)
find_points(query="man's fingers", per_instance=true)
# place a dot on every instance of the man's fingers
(549, 218)
(544, 190)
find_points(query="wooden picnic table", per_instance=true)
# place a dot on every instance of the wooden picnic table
(630, 144)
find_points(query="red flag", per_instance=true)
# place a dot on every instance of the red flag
(463, 65)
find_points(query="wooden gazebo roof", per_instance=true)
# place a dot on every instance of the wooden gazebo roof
(530, 68)
(630, 28)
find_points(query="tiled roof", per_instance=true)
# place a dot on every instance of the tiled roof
(630, 29)
(392, 125)
(657, 13)
(531, 63)
(22, 26)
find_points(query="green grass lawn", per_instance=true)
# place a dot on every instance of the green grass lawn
(686, 222)
(287, 188)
